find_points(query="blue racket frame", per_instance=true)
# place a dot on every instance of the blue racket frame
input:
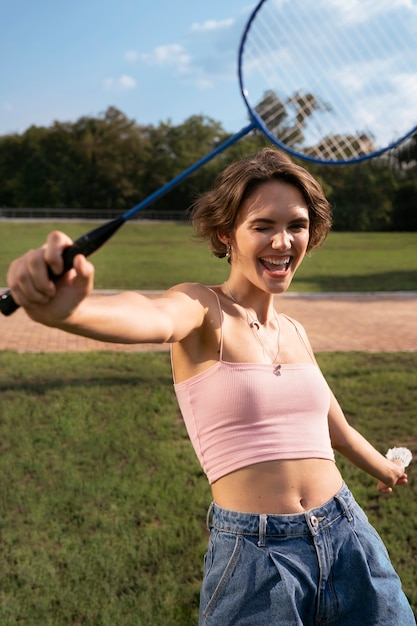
(258, 123)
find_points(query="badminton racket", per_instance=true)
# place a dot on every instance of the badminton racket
(331, 81)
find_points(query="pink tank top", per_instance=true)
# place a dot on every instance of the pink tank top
(238, 414)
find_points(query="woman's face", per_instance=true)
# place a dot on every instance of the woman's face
(271, 236)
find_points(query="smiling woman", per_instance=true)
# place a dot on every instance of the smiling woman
(218, 211)
(273, 229)
(260, 415)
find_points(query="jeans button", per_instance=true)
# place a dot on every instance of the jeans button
(314, 521)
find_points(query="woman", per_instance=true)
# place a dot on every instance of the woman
(288, 545)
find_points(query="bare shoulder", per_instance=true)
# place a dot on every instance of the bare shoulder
(193, 304)
(198, 294)
(294, 324)
(190, 289)
(296, 336)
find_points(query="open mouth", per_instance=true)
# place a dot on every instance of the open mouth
(276, 264)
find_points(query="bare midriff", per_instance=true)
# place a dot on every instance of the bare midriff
(278, 487)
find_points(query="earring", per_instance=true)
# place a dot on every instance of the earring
(228, 250)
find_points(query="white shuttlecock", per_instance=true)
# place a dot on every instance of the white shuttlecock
(402, 454)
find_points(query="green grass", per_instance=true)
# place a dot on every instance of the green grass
(103, 502)
(362, 262)
(156, 256)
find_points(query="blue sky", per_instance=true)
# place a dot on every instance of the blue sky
(164, 60)
(155, 61)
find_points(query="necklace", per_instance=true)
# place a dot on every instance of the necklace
(255, 326)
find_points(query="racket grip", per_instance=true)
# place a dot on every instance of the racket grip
(7, 304)
(86, 245)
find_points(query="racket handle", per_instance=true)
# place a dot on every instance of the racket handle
(7, 304)
(86, 245)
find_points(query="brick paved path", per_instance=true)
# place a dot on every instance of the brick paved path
(334, 322)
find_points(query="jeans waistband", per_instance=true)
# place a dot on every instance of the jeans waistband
(263, 525)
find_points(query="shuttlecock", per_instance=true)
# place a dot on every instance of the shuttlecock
(402, 454)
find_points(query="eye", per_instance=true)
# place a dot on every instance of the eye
(299, 226)
(261, 226)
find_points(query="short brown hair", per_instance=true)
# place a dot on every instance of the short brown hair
(218, 210)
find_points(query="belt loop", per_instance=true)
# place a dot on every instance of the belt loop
(263, 519)
(345, 507)
(209, 516)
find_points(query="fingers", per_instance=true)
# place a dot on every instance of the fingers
(28, 276)
(28, 279)
(384, 488)
(84, 273)
(402, 480)
(54, 247)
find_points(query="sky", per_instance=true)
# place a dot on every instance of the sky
(165, 60)
(155, 61)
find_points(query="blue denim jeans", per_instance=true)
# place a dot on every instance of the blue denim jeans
(325, 566)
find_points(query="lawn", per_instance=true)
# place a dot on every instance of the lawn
(156, 256)
(103, 502)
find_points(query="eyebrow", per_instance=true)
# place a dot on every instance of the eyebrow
(262, 220)
(266, 220)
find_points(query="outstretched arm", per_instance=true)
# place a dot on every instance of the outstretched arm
(127, 317)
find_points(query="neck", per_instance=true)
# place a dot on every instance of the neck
(262, 306)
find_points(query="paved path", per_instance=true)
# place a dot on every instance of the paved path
(334, 322)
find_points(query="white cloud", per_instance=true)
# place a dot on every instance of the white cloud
(122, 83)
(212, 25)
(206, 57)
(127, 82)
(355, 11)
(173, 55)
(187, 68)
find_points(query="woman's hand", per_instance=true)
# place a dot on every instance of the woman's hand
(399, 477)
(47, 301)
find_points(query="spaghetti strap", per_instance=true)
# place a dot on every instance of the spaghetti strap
(220, 321)
(307, 347)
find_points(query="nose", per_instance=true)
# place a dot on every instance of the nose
(281, 240)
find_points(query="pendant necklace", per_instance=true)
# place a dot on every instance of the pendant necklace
(255, 325)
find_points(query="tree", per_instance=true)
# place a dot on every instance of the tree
(111, 162)
(404, 217)
(342, 147)
(176, 148)
(10, 162)
(288, 120)
(361, 194)
(114, 152)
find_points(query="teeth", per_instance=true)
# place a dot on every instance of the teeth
(277, 261)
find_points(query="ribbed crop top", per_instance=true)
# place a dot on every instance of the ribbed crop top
(238, 414)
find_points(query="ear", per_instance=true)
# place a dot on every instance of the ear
(223, 237)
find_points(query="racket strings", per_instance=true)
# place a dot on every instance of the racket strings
(275, 109)
(299, 107)
(333, 86)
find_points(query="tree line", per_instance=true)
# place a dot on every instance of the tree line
(112, 162)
